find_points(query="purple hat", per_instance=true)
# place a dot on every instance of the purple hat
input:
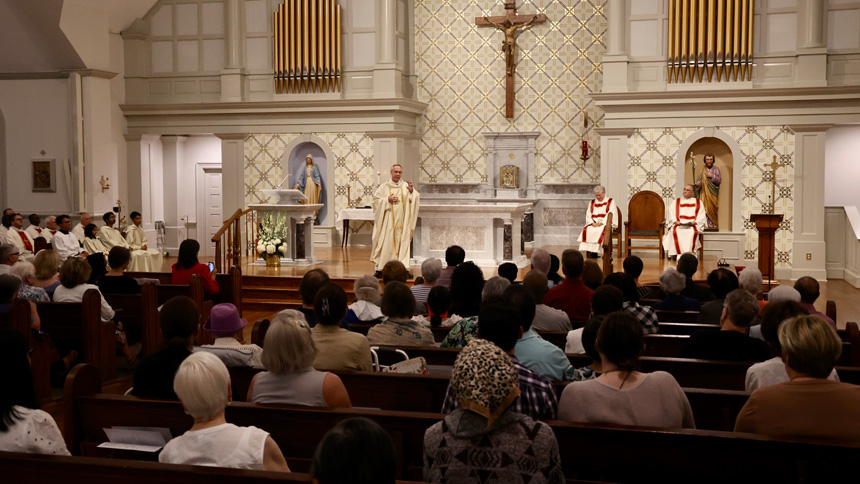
(224, 320)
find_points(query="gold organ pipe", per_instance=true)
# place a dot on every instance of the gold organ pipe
(677, 39)
(670, 51)
(313, 33)
(307, 46)
(337, 44)
(712, 32)
(721, 30)
(749, 34)
(729, 38)
(691, 53)
(326, 17)
(700, 46)
(276, 37)
(743, 49)
(736, 31)
(685, 24)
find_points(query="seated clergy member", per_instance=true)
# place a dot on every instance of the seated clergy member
(51, 228)
(141, 261)
(78, 231)
(731, 342)
(621, 395)
(546, 318)
(571, 296)
(524, 450)
(203, 385)
(136, 237)
(19, 238)
(288, 355)
(398, 305)
(338, 349)
(591, 238)
(499, 323)
(227, 327)
(153, 377)
(355, 451)
(65, 243)
(33, 230)
(685, 221)
(809, 405)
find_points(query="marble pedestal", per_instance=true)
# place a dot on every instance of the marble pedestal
(301, 217)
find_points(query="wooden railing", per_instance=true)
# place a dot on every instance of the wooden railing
(230, 245)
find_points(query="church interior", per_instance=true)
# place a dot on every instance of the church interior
(196, 112)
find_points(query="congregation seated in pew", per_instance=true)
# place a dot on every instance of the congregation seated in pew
(398, 305)
(115, 281)
(722, 282)
(188, 265)
(337, 348)
(731, 343)
(289, 353)
(26, 271)
(534, 352)
(355, 451)
(546, 318)
(648, 399)
(431, 269)
(672, 283)
(23, 426)
(467, 286)
(47, 266)
(438, 309)
(203, 386)
(606, 299)
(646, 315)
(367, 293)
(312, 281)
(227, 327)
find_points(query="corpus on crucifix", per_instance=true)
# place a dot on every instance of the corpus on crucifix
(509, 24)
(771, 200)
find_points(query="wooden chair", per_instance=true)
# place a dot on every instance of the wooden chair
(616, 233)
(646, 213)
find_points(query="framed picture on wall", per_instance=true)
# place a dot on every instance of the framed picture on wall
(44, 175)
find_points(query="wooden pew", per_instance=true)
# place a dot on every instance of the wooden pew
(81, 322)
(648, 454)
(139, 315)
(41, 356)
(677, 316)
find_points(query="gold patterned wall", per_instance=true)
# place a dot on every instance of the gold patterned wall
(461, 75)
(652, 158)
(353, 166)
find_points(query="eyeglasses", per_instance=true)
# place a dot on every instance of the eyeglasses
(15, 253)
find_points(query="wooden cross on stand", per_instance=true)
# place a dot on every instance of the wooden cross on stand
(510, 23)
(773, 167)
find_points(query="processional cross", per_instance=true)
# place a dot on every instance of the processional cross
(509, 24)
(772, 197)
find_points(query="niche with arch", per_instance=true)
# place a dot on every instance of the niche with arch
(724, 160)
(297, 166)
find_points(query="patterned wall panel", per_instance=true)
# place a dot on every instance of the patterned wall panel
(461, 69)
(353, 167)
(652, 158)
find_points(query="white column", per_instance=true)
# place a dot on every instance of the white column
(808, 250)
(390, 148)
(172, 159)
(133, 174)
(231, 76)
(811, 48)
(615, 59)
(613, 165)
(387, 73)
(100, 155)
(232, 172)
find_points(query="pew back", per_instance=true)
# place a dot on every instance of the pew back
(139, 315)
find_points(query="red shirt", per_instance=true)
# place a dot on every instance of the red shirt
(571, 296)
(182, 275)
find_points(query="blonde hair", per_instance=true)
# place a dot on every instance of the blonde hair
(46, 263)
(24, 270)
(288, 345)
(811, 345)
(202, 383)
(74, 272)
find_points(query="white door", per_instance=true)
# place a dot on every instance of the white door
(212, 214)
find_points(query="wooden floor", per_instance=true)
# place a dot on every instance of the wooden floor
(352, 262)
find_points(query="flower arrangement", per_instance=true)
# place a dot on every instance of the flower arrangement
(274, 231)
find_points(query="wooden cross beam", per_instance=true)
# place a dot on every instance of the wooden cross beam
(510, 23)
(773, 167)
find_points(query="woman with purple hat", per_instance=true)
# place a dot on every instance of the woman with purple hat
(227, 326)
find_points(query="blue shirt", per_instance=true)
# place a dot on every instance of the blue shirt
(541, 356)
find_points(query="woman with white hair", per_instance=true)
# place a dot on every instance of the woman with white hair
(365, 310)
(750, 280)
(289, 352)
(672, 283)
(431, 269)
(203, 385)
(27, 272)
(591, 237)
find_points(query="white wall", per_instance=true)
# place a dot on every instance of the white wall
(36, 114)
(197, 150)
(842, 166)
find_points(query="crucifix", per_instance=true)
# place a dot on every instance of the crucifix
(772, 198)
(509, 24)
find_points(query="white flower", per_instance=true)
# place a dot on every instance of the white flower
(283, 249)
(261, 248)
(277, 241)
(270, 249)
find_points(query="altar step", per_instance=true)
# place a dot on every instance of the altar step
(273, 294)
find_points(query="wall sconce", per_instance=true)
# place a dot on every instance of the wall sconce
(104, 183)
(584, 155)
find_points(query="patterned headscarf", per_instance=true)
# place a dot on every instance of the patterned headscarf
(484, 379)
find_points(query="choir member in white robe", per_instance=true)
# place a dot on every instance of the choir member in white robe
(111, 237)
(395, 213)
(64, 242)
(86, 219)
(685, 221)
(19, 238)
(591, 237)
(33, 230)
(92, 244)
(136, 237)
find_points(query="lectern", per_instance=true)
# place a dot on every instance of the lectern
(766, 224)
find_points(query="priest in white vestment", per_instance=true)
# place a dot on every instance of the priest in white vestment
(19, 238)
(591, 237)
(111, 237)
(685, 221)
(136, 237)
(86, 219)
(395, 213)
(33, 230)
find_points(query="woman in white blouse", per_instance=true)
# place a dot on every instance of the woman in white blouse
(23, 427)
(74, 274)
(203, 385)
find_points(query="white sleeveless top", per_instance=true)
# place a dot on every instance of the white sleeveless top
(225, 445)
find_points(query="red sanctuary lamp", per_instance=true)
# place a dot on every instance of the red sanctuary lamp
(584, 155)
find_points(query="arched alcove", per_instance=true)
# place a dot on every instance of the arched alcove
(293, 162)
(726, 152)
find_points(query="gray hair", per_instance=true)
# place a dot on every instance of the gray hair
(783, 293)
(367, 288)
(288, 345)
(741, 308)
(750, 280)
(541, 261)
(27, 271)
(202, 383)
(672, 281)
(431, 269)
(6, 251)
(599, 188)
(495, 286)
(9, 285)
